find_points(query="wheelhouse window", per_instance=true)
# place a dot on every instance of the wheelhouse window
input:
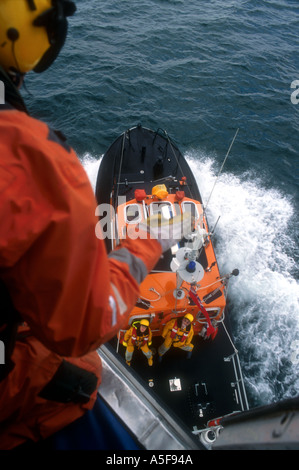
(213, 313)
(133, 214)
(189, 206)
(164, 208)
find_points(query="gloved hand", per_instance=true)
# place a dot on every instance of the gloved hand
(168, 231)
(125, 344)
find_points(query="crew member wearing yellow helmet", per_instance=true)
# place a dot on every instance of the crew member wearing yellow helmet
(61, 295)
(178, 333)
(138, 336)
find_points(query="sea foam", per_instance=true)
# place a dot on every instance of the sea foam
(255, 235)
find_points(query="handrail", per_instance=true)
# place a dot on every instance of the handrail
(154, 426)
(239, 379)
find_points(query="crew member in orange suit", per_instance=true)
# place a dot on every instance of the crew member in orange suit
(63, 295)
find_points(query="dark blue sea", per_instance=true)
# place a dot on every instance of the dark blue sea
(201, 69)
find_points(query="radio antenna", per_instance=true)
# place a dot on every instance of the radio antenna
(232, 143)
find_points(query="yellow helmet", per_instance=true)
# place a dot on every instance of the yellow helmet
(32, 33)
(189, 317)
(144, 322)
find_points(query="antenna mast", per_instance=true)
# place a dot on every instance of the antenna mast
(232, 142)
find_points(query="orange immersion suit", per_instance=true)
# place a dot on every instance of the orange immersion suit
(71, 296)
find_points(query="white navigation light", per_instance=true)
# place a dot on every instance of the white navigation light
(187, 268)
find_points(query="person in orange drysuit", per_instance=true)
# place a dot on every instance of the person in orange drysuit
(70, 297)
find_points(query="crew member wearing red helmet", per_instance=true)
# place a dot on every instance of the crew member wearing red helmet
(61, 295)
